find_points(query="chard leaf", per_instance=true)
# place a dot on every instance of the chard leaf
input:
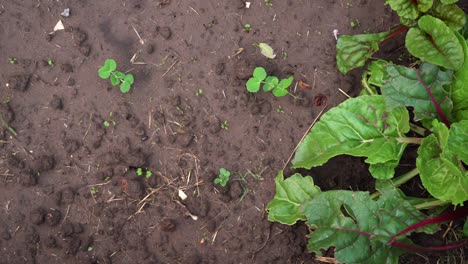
(407, 87)
(354, 51)
(435, 42)
(459, 86)
(464, 30)
(446, 2)
(359, 127)
(458, 140)
(410, 9)
(290, 195)
(439, 169)
(451, 14)
(358, 227)
(377, 72)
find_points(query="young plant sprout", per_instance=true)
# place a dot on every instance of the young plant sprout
(144, 171)
(223, 177)
(247, 28)
(109, 70)
(270, 83)
(224, 125)
(12, 60)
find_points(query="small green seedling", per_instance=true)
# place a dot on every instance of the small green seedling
(94, 190)
(109, 70)
(199, 92)
(270, 83)
(50, 62)
(223, 177)
(225, 125)
(7, 100)
(355, 24)
(280, 109)
(107, 123)
(247, 28)
(144, 171)
(268, 3)
(12, 60)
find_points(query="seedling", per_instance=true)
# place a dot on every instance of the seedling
(270, 83)
(107, 123)
(280, 109)
(223, 177)
(247, 28)
(268, 3)
(144, 171)
(224, 125)
(109, 70)
(50, 62)
(12, 60)
(94, 190)
(355, 24)
(199, 92)
(7, 100)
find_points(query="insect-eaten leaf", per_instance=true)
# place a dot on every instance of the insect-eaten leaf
(267, 50)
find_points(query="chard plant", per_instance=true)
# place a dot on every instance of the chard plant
(430, 27)
(426, 106)
(109, 70)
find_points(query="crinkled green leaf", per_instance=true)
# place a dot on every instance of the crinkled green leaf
(436, 43)
(405, 87)
(451, 14)
(377, 72)
(410, 9)
(408, 22)
(270, 83)
(259, 73)
(360, 127)
(338, 216)
(446, 2)
(440, 171)
(291, 194)
(464, 30)
(253, 85)
(458, 140)
(109, 66)
(459, 86)
(354, 51)
(267, 50)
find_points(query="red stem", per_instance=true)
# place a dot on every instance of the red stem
(396, 32)
(433, 100)
(460, 212)
(459, 244)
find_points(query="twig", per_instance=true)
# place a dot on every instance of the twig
(142, 42)
(305, 134)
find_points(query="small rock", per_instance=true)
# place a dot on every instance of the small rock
(66, 12)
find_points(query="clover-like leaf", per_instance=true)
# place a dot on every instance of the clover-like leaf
(407, 87)
(129, 79)
(285, 83)
(109, 66)
(279, 91)
(270, 83)
(267, 50)
(253, 85)
(354, 51)
(360, 127)
(436, 43)
(291, 194)
(260, 73)
(114, 80)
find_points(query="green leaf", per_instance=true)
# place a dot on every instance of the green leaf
(279, 92)
(459, 86)
(354, 51)
(259, 73)
(453, 16)
(285, 83)
(129, 79)
(405, 87)
(106, 70)
(436, 43)
(290, 195)
(446, 2)
(114, 80)
(119, 75)
(125, 87)
(458, 140)
(358, 227)
(439, 168)
(359, 127)
(267, 50)
(377, 72)
(270, 83)
(223, 177)
(464, 30)
(410, 9)
(253, 85)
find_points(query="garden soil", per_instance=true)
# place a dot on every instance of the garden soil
(69, 189)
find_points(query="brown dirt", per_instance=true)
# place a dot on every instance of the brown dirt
(69, 191)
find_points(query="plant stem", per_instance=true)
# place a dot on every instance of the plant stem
(410, 140)
(431, 204)
(459, 244)
(433, 100)
(400, 180)
(417, 129)
(5, 124)
(396, 32)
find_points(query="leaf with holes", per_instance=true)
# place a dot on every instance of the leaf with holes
(360, 127)
(436, 43)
